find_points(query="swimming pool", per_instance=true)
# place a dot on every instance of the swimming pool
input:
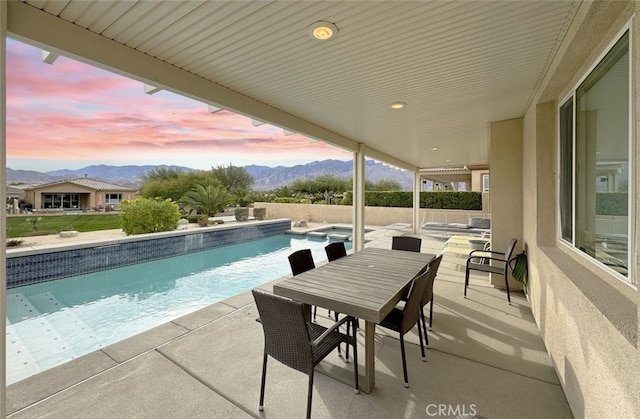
(53, 322)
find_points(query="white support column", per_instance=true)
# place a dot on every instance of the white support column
(3, 217)
(358, 198)
(417, 186)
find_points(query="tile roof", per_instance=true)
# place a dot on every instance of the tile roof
(97, 184)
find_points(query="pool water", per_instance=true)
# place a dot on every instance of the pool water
(53, 322)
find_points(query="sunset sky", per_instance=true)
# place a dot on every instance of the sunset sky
(69, 115)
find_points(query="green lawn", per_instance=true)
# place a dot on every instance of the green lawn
(17, 226)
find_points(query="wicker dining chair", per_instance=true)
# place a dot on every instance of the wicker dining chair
(427, 297)
(402, 320)
(296, 343)
(335, 250)
(302, 261)
(408, 243)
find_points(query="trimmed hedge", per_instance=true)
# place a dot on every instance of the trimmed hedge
(286, 200)
(612, 203)
(433, 200)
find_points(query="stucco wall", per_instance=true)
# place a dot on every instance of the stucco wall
(587, 317)
(374, 216)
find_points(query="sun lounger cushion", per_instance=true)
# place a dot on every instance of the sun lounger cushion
(478, 222)
(458, 225)
(433, 224)
(477, 225)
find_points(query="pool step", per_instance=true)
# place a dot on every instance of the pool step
(338, 236)
(35, 343)
(66, 322)
(20, 362)
(319, 234)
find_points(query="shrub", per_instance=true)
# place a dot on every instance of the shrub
(259, 213)
(191, 218)
(203, 220)
(149, 215)
(14, 242)
(242, 214)
(286, 200)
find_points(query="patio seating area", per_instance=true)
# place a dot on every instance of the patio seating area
(485, 358)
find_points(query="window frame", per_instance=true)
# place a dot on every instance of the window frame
(485, 176)
(630, 279)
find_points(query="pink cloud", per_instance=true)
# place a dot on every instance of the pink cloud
(71, 111)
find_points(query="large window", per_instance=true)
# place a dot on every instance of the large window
(60, 200)
(594, 167)
(112, 198)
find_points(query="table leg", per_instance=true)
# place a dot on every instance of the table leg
(369, 357)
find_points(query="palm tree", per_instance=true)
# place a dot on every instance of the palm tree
(208, 199)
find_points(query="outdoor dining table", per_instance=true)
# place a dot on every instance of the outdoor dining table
(366, 284)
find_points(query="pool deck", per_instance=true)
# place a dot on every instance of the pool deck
(486, 358)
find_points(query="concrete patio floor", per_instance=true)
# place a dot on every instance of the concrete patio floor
(486, 358)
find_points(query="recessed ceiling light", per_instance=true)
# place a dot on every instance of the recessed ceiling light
(448, 160)
(433, 148)
(323, 30)
(397, 105)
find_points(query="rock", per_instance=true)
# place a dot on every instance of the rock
(68, 233)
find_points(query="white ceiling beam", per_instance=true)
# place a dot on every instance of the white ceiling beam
(49, 57)
(148, 89)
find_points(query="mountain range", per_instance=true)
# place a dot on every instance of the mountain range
(266, 178)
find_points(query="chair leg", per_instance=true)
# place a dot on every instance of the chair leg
(506, 283)
(264, 376)
(424, 358)
(315, 309)
(466, 281)
(431, 313)
(422, 322)
(404, 362)
(309, 395)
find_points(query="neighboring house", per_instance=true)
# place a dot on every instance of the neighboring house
(78, 193)
(14, 193)
(13, 196)
(470, 177)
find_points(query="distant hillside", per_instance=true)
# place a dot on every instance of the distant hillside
(267, 178)
(103, 171)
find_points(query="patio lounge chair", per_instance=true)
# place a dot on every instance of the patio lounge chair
(397, 227)
(492, 262)
(476, 226)
(296, 343)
